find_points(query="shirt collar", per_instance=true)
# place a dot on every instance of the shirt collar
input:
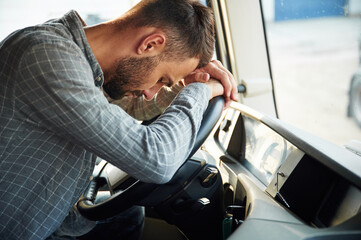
(75, 25)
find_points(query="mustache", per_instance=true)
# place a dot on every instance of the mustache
(137, 93)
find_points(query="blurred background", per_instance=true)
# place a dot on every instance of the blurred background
(314, 48)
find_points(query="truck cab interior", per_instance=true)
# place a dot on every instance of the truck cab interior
(251, 174)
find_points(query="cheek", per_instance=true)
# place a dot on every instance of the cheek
(141, 82)
(148, 82)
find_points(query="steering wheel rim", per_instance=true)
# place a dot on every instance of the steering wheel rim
(137, 191)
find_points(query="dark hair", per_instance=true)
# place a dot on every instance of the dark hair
(188, 25)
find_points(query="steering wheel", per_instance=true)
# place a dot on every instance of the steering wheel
(138, 190)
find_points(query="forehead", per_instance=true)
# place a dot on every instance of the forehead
(177, 70)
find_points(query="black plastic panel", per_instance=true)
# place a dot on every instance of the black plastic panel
(315, 194)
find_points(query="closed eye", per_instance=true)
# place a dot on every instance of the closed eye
(166, 81)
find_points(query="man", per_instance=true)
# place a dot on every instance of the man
(54, 117)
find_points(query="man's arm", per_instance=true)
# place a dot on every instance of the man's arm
(145, 110)
(141, 109)
(57, 87)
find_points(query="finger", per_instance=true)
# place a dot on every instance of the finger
(233, 88)
(203, 77)
(227, 103)
(226, 81)
(217, 71)
(234, 91)
(196, 76)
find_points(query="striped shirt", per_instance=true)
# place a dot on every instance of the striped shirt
(54, 120)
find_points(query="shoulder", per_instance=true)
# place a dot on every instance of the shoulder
(47, 55)
(40, 38)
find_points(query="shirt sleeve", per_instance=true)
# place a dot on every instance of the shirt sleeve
(56, 88)
(141, 109)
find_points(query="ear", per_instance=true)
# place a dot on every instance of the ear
(152, 44)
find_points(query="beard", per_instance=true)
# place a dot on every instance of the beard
(128, 74)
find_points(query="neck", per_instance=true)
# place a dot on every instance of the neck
(108, 44)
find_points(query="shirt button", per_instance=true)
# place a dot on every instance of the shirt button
(99, 79)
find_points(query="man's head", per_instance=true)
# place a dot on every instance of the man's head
(188, 25)
(161, 41)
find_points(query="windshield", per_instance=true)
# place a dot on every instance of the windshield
(314, 54)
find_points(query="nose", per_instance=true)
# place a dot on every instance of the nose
(150, 93)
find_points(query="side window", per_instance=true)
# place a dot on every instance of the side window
(314, 49)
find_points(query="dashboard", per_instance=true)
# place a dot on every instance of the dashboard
(289, 180)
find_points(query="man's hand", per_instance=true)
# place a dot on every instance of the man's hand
(222, 81)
